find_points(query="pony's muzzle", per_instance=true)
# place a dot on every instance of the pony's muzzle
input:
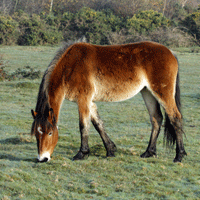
(45, 157)
(44, 160)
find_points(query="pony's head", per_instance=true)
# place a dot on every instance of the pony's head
(46, 132)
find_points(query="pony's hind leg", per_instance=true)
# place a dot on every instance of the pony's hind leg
(156, 121)
(98, 124)
(174, 130)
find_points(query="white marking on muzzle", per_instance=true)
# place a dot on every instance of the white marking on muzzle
(44, 156)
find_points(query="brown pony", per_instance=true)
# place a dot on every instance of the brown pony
(85, 73)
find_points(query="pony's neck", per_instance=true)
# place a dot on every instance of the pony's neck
(54, 83)
(56, 98)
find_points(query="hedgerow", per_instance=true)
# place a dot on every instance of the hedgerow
(99, 27)
(8, 30)
(147, 21)
(34, 30)
(191, 24)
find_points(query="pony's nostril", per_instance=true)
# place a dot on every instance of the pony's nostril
(43, 160)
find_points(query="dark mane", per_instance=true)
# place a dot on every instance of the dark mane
(42, 106)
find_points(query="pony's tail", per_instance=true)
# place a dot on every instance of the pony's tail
(169, 132)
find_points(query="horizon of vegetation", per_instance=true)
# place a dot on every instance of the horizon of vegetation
(44, 22)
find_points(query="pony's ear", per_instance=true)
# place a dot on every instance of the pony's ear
(52, 116)
(34, 114)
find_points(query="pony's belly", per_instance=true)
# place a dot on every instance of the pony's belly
(118, 93)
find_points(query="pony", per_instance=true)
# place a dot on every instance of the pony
(85, 73)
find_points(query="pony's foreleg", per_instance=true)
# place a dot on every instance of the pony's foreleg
(156, 121)
(84, 123)
(98, 124)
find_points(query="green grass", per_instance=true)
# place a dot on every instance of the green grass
(126, 176)
(34, 56)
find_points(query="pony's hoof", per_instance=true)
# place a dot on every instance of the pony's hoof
(111, 151)
(177, 160)
(179, 157)
(110, 154)
(148, 154)
(80, 156)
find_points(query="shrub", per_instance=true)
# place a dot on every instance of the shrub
(26, 72)
(51, 20)
(171, 37)
(146, 21)
(3, 74)
(89, 23)
(95, 25)
(21, 73)
(8, 30)
(35, 31)
(99, 27)
(192, 25)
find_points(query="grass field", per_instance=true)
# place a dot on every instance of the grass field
(126, 176)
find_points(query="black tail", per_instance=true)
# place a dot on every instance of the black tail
(169, 132)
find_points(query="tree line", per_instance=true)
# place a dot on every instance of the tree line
(40, 22)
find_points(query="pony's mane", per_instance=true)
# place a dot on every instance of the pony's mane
(42, 105)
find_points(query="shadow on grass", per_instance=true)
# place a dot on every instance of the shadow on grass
(97, 150)
(15, 140)
(71, 150)
(193, 96)
(14, 156)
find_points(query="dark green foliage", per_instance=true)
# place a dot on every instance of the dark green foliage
(99, 27)
(146, 21)
(8, 30)
(95, 25)
(35, 30)
(191, 24)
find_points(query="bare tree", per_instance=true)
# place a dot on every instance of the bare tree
(6, 6)
(51, 6)
(16, 2)
(183, 2)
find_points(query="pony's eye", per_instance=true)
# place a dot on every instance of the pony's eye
(50, 133)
